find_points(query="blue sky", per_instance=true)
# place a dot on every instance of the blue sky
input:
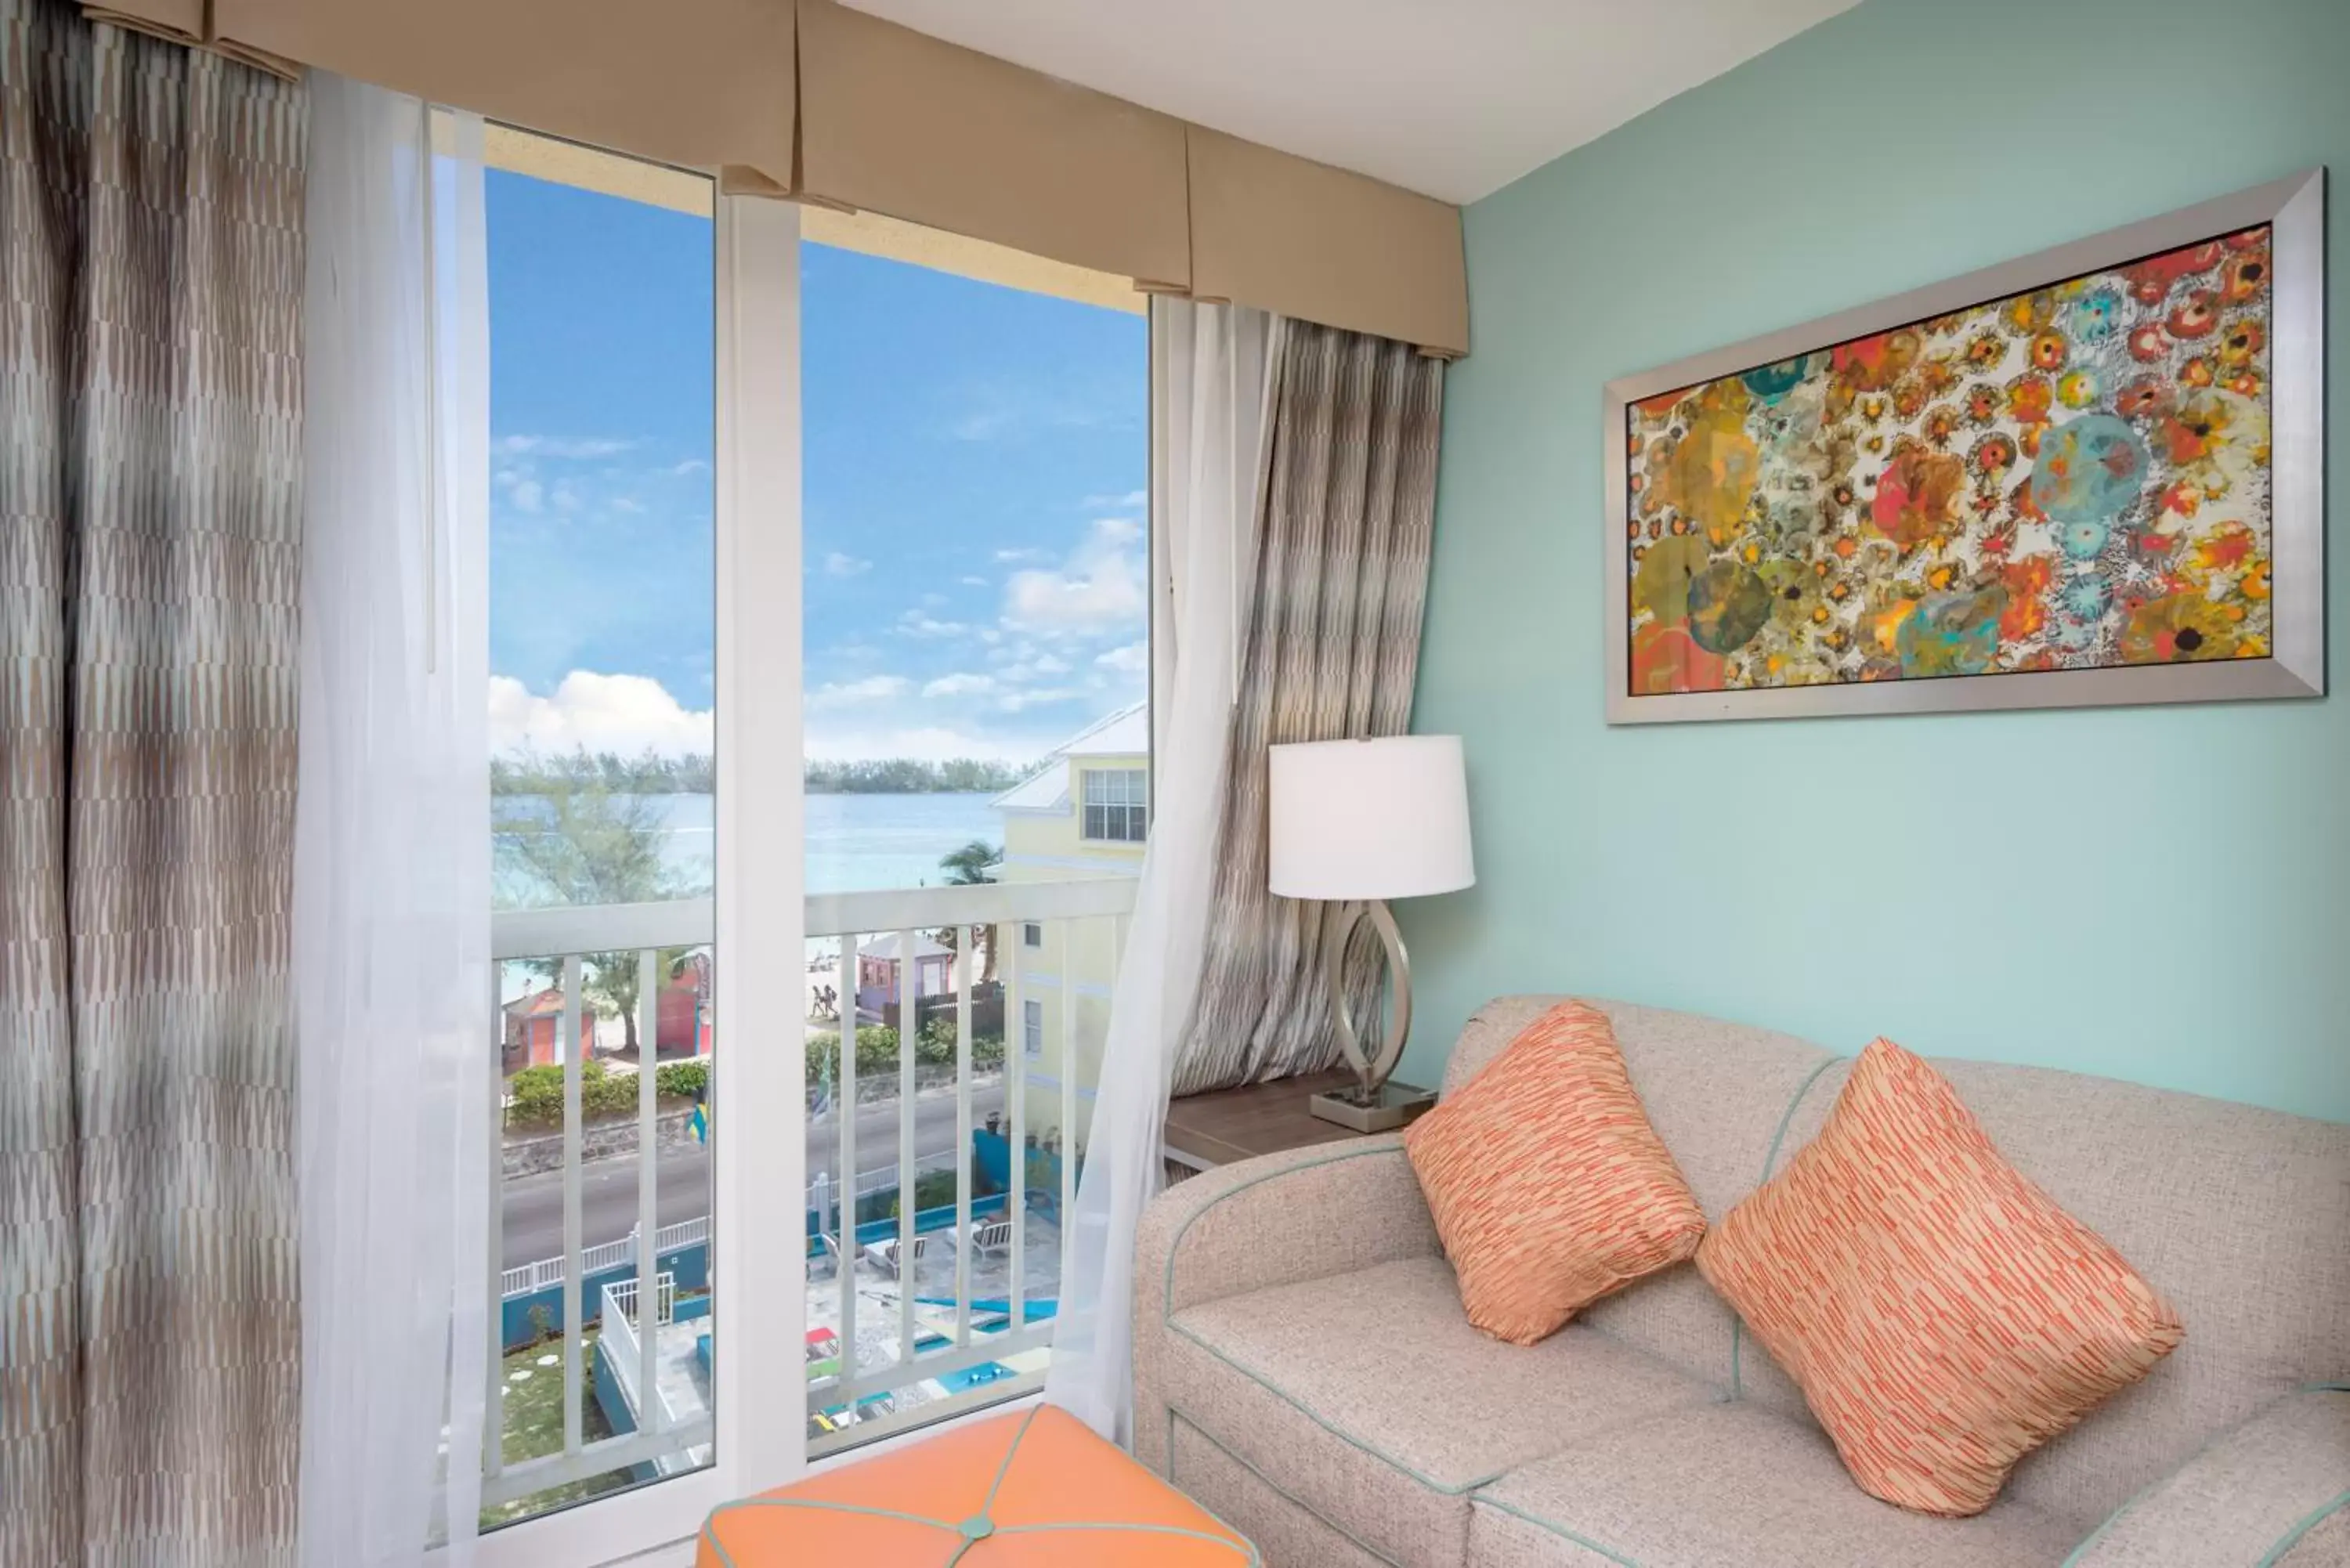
(974, 457)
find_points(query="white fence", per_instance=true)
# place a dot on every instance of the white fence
(548, 1272)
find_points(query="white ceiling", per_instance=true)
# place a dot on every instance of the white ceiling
(1452, 98)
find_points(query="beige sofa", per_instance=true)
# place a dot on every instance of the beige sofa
(1303, 1368)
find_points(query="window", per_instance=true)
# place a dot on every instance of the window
(976, 567)
(602, 548)
(1117, 805)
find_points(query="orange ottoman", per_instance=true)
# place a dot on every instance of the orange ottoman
(1028, 1489)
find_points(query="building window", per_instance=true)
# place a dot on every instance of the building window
(1032, 1029)
(1031, 935)
(1117, 805)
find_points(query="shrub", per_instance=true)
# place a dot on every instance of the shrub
(537, 1092)
(681, 1080)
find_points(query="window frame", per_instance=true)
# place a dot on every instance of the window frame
(760, 821)
(1031, 935)
(1132, 816)
(1032, 1028)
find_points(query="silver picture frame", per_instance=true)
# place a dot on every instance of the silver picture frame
(2295, 208)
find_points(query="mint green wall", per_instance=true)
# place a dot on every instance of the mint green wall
(2160, 894)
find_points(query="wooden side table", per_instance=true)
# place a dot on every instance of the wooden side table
(1204, 1131)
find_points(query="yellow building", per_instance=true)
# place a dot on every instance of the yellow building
(1084, 813)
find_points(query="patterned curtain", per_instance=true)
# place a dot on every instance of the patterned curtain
(1330, 649)
(151, 238)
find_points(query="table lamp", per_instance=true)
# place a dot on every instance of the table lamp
(1356, 823)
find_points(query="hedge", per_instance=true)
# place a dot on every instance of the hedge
(876, 1050)
(538, 1091)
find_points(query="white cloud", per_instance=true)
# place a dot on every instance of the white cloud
(565, 498)
(1010, 557)
(1131, 659)
(838, 565)
(526, 494)
(622, 714)
(691, 465)
(1129, 502)
(961, 684)
(919, 623)
(627, 505)
(859, 693)
(556, 446)
(1035, 697)
(1098, 589)
(975, 582)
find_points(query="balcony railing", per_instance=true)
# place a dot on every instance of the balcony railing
(940, 1338)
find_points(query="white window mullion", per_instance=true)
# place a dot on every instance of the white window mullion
(759, 1100)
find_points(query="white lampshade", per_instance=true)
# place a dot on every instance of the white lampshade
(1370, 819)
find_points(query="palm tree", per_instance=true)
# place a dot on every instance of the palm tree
(972, 865)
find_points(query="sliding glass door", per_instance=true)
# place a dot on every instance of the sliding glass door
(645, 833)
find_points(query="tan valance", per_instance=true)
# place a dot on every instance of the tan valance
(181, 21)
(810, 98)
(894, 121)
(705, 83)
(1288, 235)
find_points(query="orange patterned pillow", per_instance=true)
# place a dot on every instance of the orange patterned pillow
(1942, 1316)
(1548, 1185)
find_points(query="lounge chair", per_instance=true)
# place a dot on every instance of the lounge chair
(883, 1255)
(990, 1238)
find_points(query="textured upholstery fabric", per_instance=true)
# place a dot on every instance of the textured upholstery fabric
(2239, 1217)
(1298, 1215)
(1715, 1093)
(1726, 1485)
(1371, 1400)
(1547, 1185)
(2237, 1499)
(1943, 1315)
(1033, 1489)
(2323, 1542)
(1285, 1531)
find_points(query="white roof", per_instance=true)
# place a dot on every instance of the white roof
(1123, 733)
(886, 947)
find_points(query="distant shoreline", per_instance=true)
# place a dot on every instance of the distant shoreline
(531, 774)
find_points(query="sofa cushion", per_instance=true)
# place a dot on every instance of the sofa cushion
(1943, 1315)
(1733, 1483)
(1377, 1407)
(1716, 1093)
(2239, 1216)
(1546, 1182)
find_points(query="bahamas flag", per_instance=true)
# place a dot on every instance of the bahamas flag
(699, 1121)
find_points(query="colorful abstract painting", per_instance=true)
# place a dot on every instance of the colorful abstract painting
(2072, 478)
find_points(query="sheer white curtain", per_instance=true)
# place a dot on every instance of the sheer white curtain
(1208, 380)
(391, 869)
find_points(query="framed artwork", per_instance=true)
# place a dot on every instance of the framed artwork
(2093, 475)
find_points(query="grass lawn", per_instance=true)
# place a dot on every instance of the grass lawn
(533, 1410)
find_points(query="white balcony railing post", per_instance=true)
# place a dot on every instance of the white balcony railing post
(909, 992)
(574, 1325)
(649, 1410)
(966, 939)
(845, 1120)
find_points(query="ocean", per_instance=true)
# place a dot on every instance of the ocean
(855, 841)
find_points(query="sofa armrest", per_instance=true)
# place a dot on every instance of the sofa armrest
(2250, 1496)
(1301, 1214)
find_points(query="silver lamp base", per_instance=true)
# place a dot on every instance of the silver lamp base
(1383, 1110)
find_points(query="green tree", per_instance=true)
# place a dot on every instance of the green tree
(971, 866)
(577, 840)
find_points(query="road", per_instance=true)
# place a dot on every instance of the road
(608, 1188)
